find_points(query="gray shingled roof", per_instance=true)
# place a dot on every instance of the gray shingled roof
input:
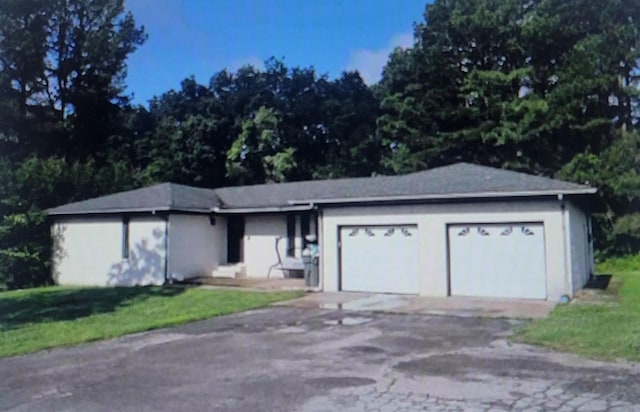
(459, 180)
(165, 196)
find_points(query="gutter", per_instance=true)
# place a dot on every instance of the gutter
(52, 212)
(275, 209)
(587, 191)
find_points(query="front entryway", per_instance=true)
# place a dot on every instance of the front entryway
(379, 259)
(497, 260)
(235, 235)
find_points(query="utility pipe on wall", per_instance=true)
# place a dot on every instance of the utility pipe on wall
(568, 276)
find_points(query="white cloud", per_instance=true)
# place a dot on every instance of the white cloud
(370, 62)
(254, 61)
(160, 14)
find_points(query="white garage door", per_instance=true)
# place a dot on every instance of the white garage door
(379, 259)
(505, 260)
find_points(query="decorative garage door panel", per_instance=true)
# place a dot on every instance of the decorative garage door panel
(497, 260)
(379, 259)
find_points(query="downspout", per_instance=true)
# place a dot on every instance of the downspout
(167, 280)
(592, 268)
(568, 276)
(320, 234)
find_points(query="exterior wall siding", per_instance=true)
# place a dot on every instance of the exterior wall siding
(196, 247)
(580, 249)
(89, 251)
(260, 234)
(432, 222)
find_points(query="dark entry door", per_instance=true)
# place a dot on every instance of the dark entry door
(235, 233)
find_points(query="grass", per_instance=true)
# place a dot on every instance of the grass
(609, 330)
(36, 319)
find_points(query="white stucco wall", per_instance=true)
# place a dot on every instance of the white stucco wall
(432, 221)
(581, 263)
(88, 251)
(259, 241)
(85, 250)
(196, 247)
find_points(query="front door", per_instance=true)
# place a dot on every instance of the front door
(235, 234)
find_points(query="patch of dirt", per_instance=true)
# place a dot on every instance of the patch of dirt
(603, 290)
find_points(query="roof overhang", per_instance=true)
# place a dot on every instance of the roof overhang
(153, 211)
(447, 197)
(299, 205)
(255, 210)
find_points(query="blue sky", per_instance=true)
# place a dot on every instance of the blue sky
(202, 37)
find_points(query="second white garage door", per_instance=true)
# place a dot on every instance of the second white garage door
(499, 260)
(379, 259)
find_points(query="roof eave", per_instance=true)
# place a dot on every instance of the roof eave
(270, 209)
(53, 212)
(453, 196)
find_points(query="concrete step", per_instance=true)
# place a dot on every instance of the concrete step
(236, 270)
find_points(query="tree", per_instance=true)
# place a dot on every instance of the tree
(532, 86)
(616, 173)
(25, 194)
(63, 115)
(185, 135)
(351, 145)
(257, 155)
(62, 68)
(23, 39)
(509, 83)
(254, 126)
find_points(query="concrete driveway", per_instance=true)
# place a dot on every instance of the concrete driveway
(294, 359)
(410, 304)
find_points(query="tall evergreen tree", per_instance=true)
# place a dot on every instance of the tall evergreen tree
(536, 86)
(521, 84)
(62, 69)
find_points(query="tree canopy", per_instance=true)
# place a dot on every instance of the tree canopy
(545, 86)
(62, 72)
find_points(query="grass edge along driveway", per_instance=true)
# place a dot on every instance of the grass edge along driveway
(607, 331)
(44, 318)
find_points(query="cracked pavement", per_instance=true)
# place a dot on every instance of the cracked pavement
(291, 359)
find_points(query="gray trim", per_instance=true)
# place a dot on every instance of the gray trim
(152, 211)
(480, 195)
(233, 211)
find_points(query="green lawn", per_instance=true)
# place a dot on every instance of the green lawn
(35, 319)
(606, 331)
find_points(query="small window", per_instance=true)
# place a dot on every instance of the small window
(125, 238)
(304, 229)
(291, 235)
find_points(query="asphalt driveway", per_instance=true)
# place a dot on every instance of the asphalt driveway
(293, 359)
